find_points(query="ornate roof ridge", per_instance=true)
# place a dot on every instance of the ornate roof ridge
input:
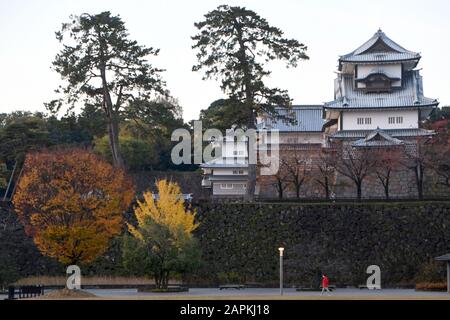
(380, 47)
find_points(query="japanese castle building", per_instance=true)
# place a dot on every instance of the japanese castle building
(378, 102)
(378, 95)
(228, 174)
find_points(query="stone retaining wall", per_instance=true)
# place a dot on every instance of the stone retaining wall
(340, 239)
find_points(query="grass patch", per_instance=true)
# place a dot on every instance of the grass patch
(67, 294)
(87, 281)
(174, 289)
(431, 286)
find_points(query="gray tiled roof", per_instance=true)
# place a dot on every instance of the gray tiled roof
(365, 54)
(223, 165)
(377, 138)
(396, 133)
(231, 177)
(400, 133)
(308, 119)
(409, 95)
(371, 144)
(445, 257)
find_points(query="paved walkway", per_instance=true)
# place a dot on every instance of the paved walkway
(261, 293)
(264, 293)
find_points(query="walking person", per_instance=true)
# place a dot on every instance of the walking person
(325, 285)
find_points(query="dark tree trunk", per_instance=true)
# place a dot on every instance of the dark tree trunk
(251, 185)
(386, 187)
(359, 190)
(247, 81)
(327, 188)
(297, 190)
(161, 279)
(385, 180)
(5, 197)
(280, 190)
(157, 280)
(113, 134)
(112, 121)
(419, 180)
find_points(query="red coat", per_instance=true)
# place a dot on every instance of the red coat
(325, 282)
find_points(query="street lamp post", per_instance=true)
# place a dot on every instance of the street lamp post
(281, 249)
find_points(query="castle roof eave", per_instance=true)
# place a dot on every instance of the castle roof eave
(428, 105)
(395, 133)
(371, 141)
(378, 49)
(223, 165)
(343, 60)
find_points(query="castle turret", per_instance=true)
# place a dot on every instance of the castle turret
(378, 88)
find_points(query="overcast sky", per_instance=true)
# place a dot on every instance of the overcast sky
(328, 28)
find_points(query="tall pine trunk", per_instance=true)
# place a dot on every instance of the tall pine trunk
(249, 101)
(251, 185)
(112, 122)
(113, 134)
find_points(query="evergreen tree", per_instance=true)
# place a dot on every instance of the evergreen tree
(103, 67)
(234, 45)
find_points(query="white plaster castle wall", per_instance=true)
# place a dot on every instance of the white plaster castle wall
(229, 171)
(229, 188)
(234, 149)
(380, 119)
(301, 137)
(391, 70)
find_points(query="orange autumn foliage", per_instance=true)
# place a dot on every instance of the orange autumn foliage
(71, 203)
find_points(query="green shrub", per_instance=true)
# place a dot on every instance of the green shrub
(431, 272)
(231, 277)
(8, 274)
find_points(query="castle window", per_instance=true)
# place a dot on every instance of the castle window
(368, 120)
(399, 119)
(377, 82)
(360, 121)
(391, 120)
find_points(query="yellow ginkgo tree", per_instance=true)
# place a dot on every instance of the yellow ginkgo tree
(162, 241)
